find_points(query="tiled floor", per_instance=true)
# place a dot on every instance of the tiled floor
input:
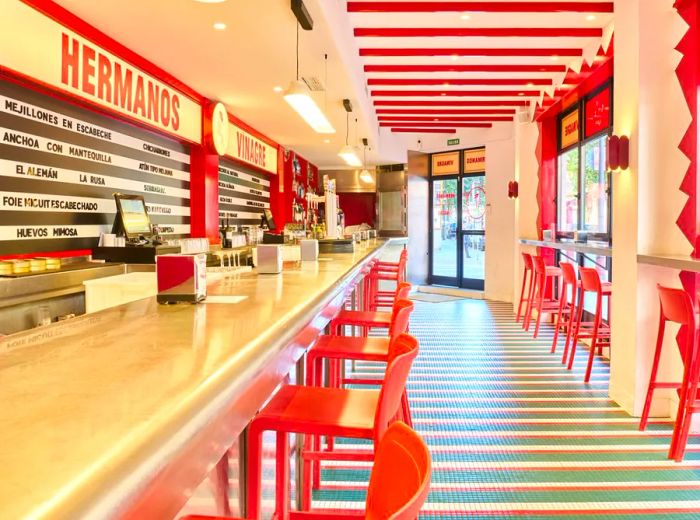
(513, 434)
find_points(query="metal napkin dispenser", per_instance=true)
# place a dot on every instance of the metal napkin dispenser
(580, 236)
(181, 278)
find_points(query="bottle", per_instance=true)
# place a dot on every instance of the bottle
(228, 236)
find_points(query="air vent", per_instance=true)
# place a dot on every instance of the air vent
(314, 84)
(390, 168)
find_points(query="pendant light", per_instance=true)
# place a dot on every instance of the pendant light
(299, 98)
(365, 176)
(347, 152)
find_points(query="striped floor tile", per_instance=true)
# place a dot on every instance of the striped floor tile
(513, 434)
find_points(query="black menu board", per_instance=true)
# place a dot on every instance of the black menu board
(243, 194)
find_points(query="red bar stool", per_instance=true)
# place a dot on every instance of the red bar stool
(368, 319)
(538, 299)
(597, 331)
(398, 484)
(330, 412)
(528, 277)
(386, 271)
(676, 306)
(565, 314)
(341, 348)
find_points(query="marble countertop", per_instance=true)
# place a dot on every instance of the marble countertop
(128, 408)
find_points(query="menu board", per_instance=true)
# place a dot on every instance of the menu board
(243, 194)
(60, 165)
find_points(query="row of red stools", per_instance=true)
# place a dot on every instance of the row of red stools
(565, 306)
(400, 478)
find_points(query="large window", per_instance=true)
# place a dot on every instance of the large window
(583, 184)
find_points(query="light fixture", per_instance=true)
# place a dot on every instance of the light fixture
(454, 57)
(347, 152)
(277, 89)
(590, 17)
(365, 176)
(210, 1)
(299, 98)
(554, 58)
(618, 153)
(220, 26)
(326, 141)
(465, 17)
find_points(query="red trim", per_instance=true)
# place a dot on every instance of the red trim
(455, 103)
(465, 68)
(427, 130)
(69, 20)
(459, 81)
(444, 124)
(501, 32)
(484, 7)
(474, 112)
(483, 93)
(419, 120)
(52, 254)
(488, 51)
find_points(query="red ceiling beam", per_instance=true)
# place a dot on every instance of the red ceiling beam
(427, 130)
(499, 32)
(483, 7)
(467, 51)
(454, 103)
(441, 111)
(437, 125)
(451, 119)
(465, 68)
(460, 81)
(460, 93)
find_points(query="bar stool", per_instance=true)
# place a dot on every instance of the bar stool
(385, 271)
(320, 411)
(676, 306)
(528, 277)
(538, 293)
(398, 483)
(597, 331)
(565, 314)
(341, 348)
(367, 319)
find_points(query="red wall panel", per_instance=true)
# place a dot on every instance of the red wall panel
(359, 208)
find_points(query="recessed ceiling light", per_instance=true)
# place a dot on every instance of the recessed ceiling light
(326, 141)
(521, 93)
(530, 84)
(436, 119)
(277, 88)
(590, 17)
(219, 26)
(443, 94)
(445, 84)
(454, 57)
(554, 58)
(465, 17)
(210, 1)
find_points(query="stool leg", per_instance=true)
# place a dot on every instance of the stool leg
(522, 296)
(570, 325)
(577, 325)
(282, 476)
(528, 309)
(654, 370)
(562, 301)
(594, 340)
(540, 303)
(254, 490)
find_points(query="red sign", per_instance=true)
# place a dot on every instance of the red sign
(598, 113)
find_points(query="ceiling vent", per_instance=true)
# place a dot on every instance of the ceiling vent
(314, 84)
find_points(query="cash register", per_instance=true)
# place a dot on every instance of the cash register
(133, 223)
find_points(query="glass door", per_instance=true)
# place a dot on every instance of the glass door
(473, 232)
(444, 231)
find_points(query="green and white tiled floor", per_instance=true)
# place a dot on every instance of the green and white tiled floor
(514, 434)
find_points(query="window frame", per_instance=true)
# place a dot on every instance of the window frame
(580, 105)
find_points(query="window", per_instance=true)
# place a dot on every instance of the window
(583, 196)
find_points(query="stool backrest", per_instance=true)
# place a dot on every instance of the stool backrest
(527, 260)
(568, 273)
(538, 263)
(400, 315)
(677, 307)
(403, 289)
(403, 349)
(400, 478)
(590, 279)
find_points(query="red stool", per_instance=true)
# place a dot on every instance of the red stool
(538, 299)
(597, 331)
(343, 348)
(676, 306)
(528, 277)
(565, 314)
(385, 271)
(368, 319)
(398, 484)
(331, 412)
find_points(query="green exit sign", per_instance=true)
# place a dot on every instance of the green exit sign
(452, 142)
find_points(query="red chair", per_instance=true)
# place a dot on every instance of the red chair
(359, 349)
(597, 331)
(367, 319)
(330, 412)
(567, 308)
(538, 299)
(398, 485)
(528, 277)
(676, 306)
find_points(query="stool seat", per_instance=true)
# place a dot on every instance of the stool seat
(552, 270)
(363, 318)
(352, 347)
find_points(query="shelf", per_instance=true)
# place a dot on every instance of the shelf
(569, 246)
(681, 262)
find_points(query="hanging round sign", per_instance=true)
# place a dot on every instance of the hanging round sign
(219, 131)
(475, 202)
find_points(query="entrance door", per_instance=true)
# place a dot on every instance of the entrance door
(472, 232)
(444, 231)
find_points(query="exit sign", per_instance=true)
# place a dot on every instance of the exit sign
(452, 142)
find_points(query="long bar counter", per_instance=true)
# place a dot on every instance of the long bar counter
(121, 413)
